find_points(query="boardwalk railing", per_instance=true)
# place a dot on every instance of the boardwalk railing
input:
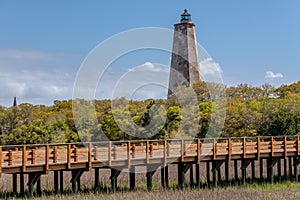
(39, 159)
(45, 157)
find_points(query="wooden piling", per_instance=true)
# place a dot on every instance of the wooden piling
(61, 181)
(285, 168)
(253, 170)
(162, 176)
(227, 173)
(30, 186)
(236, 175)
(290, 168)
(74, 183)
(279, 171)
(208, 174)
(295, 169)
(15, 184)
(150, 172)
(32, 180)
(181, 177)
(243, 168)
(270, 170)
(167, 176)
(149, 181)
(219, 176)
(39, 187)
(192, 176)
(22, 185)
(261, 170)
(114, 178)
(76, 174)
(215, 175)
(97, 180)
(198, 175)
(132, 178)
(56, 182)
(79, 184)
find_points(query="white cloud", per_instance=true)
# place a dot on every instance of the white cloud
(210, 70)
(210, 67)
(148, 80)
(19, 54)
(40, 77)
(29, 54)
(272, 75)
(36, 77)
(148, 66)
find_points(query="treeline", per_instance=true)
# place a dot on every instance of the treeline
(240, 111)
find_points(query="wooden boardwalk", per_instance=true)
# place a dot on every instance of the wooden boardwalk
(37, 160)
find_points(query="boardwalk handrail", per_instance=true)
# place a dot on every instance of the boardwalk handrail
(37, 159)
(19, 158)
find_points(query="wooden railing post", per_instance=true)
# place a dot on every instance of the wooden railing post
(133, 151)
(165, 153)
(272, 146)
(229, 149)
(109, 152)
(182, 151)
(47, 158)
(298, 146)
(69, 156)
(24, 158)
(151, 150)
(90, 156)
(285, 148)
(258, 148)
(168, 149)
(54, 152)
(198, 151)
(244, 147)
(33, 156)
(214, 150)
(184, 148)
(147, 151)
(10, 158)
(128, 154)
(75, 152)
(95, 153)
(114, 153)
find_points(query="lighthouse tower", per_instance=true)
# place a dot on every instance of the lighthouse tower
(184, 64)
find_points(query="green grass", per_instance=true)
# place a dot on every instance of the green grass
(282, 191)
(270, 187)
(287, 190)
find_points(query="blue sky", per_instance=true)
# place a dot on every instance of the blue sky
(43, 43)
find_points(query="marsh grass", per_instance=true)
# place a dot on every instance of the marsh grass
(286, 190)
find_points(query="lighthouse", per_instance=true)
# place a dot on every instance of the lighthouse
(184, 69)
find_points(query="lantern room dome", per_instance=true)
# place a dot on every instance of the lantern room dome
(186, 17)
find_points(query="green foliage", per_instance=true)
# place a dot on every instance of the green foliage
(250, 111)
